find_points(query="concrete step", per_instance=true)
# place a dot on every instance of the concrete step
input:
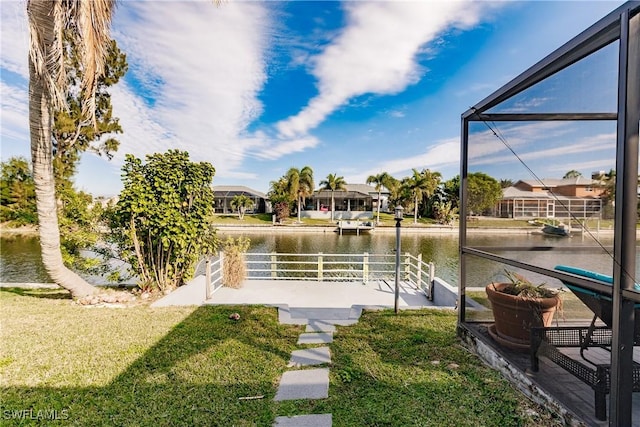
(328, 316)
(310, 357)
(315, 420)
(304, 384)
(315, 325)
(315, 338)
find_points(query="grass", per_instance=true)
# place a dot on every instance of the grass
(190, 366)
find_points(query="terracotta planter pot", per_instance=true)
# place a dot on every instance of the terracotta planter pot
(514, 316)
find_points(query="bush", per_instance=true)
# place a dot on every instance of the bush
(234, 270)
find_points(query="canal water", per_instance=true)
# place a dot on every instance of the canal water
(20, 255)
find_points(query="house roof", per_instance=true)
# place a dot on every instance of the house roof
(235, 190)
(515, 193)
(559, 182)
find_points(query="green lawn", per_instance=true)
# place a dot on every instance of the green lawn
(140, 366)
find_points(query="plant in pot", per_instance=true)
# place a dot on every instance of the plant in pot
(518, 305)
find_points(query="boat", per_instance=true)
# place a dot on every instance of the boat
(560, 230)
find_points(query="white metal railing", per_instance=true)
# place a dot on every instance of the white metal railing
(212, 274)
(327, 267)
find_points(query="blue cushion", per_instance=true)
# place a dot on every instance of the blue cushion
(589, 274)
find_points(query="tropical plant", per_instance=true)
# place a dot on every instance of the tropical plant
(280, 198)
(234, 270)
(572, 174)
(300, 185)
(333, 183)
(241, 202)
(161, 225)
(444, 212)
(17, 192)
(89, 22)
(483, 192)
(72, 133)
(522, 286)
(506, 183)
(451, 189)
(421, 185)
(381, 180)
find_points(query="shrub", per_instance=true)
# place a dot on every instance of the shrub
(234, 270)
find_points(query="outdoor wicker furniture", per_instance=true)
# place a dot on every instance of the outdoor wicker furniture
(594, 371)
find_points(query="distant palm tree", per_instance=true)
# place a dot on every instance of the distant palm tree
(381, 180)
(333, 183)
(422, 185)
(241, 202)
(47, 21)
(506, 183)
(572, 174)
(300, 185)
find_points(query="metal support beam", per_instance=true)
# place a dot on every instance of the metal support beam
(620, 408)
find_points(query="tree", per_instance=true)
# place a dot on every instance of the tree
(333, 183)
(572, 174)
(421, 185)
(161, 223)
(381, 180)
(506, 183)
(451, 190)
(483, 192)
(241, 202)
(47, 21)
(300, 185)
(72, 133)
(17, 192)
(445, 213)
(280, 198)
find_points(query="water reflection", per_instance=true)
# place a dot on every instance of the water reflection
(20, 256)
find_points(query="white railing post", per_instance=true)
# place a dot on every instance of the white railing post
(320, 267)
(207, 278)
(274, 266)
(432, 278)
(365, 267)
(407, 265)
(419, 271)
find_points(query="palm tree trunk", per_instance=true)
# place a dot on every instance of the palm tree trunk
(415, 211)
(378, 216)
(333, 205)
(41, 156)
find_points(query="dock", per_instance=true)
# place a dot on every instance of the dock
(356, 226)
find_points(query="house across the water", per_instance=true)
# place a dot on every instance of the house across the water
(224, 194)
(577, 197)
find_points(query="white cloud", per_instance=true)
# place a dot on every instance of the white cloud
(14, 113)
(15, 37)
(376, 53)
(443, 153)
(203, 67)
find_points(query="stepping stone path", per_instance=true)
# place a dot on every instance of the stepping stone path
(304, 381)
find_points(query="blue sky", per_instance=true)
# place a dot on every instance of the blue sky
(352, 88)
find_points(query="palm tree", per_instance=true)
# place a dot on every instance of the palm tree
(300, 183)
(381, 180)
(90, 21)
(333, 183)
(241, 202)
(422, 185)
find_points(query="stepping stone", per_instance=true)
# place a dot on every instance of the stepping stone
(304, 384)
(319, 326)
(310, 356)
(316, 420)
(315, 338)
